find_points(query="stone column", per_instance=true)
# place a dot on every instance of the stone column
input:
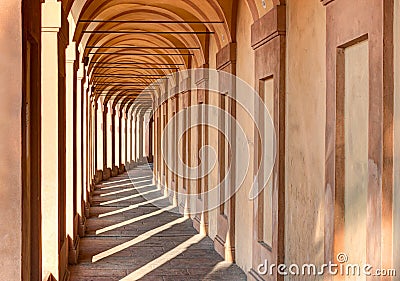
(117, 147)
(114, 171)
(99, 136)
(72, 58)
(128, 139)
(146, 141)
(163, 122)
(156, 170)
(125, 139)
(109, 138)
(120, 140)
(92, 146)
(106, 144)
(137, 137)
(86, 138)
(94, 133)
(151, 139)
(141, 138)
(80, 150)
(134, 126)
(224, 241)
(54, 39)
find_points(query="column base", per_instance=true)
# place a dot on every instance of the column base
(66, 276)
(87, 209)
(142, 160)
(63, 258)
(172, 194)
(121, 169)
(98, 176)
(199, 224)
(50, 277)
(228, 253)
(82, 226)
(106, 173)
(73, 250)
(114, 171)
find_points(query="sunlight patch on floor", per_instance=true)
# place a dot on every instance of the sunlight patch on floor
(131, 207)
(137, 240)
(116, 181)
(156, 263)
(126, 198)
(133, 220)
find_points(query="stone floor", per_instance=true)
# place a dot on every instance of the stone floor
(128, 238)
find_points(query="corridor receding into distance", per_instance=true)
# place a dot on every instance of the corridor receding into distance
(128, 238)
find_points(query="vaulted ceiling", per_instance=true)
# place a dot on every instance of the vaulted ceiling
(128, 44)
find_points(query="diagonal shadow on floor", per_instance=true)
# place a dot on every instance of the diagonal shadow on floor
(128, 238)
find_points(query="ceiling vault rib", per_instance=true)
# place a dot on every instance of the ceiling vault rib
(149, 21)
(139, 54)
(146, 32)
(143, 47)
(129, 67)
(128, 75)
(134, 63)
(119, 83)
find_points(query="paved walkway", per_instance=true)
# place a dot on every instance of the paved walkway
(128, 238)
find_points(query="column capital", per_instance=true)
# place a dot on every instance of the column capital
(51, 16)
(54, 20)
(71, 53)
(81, 72)
(105, 108)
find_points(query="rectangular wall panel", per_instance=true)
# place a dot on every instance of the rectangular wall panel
(268, 96)
(356, 115)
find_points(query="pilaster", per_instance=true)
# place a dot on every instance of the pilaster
(54, 40)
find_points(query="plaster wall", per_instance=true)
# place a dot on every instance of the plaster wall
(356, 151)
(244, 207)
(10, 144)
(305, 132)
(396, 193)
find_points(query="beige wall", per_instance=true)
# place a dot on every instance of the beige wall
(10, 135)
(356, 151)
(396, 195)
(244, 207)
(305, 132)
